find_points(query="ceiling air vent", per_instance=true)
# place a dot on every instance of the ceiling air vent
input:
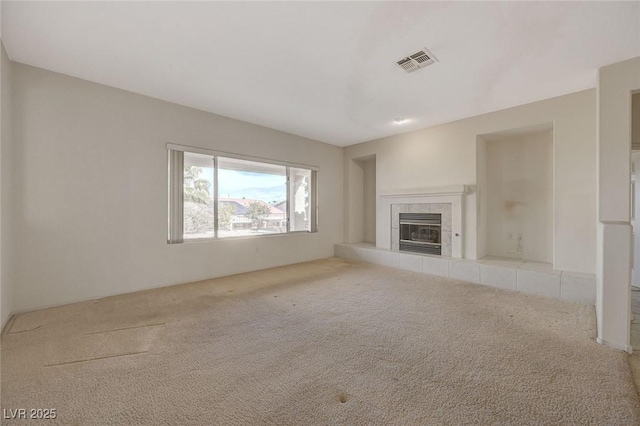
(416, 61)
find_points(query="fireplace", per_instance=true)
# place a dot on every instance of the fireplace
(447, 201)
(421, 233)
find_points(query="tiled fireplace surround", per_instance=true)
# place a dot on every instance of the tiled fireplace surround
(529, 277)
(445, 200)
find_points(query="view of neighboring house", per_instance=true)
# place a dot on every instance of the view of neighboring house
(236, 217)
(244, 220)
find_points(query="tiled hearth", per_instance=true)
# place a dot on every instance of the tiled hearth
(528, 277)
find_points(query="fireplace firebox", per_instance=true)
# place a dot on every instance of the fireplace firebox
(421, 233)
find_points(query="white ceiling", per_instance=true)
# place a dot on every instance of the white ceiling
(326, 70)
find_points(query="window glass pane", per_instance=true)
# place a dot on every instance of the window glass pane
(198, 196)
(252, 198)
(299, 196)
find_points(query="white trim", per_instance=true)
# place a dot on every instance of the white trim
(423, 192)
(205, 151)
(288, 200)
(625, 348)
(216, 197)
(244, 237)
(8, 324)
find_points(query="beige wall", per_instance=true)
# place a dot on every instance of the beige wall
(615, 84)
(520, 197)
(360, 200)
(446, 155)
(90, 191)
(369, 200)
(482, 209)
(6, 183)
(353, 201)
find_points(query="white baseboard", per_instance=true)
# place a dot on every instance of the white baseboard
(7, 325)
(625, 348)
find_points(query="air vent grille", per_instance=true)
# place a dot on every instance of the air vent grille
(416, 61)
(408, 65)
(424, 249)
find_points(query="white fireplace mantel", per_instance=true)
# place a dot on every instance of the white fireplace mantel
(432, 191)
(453, 194)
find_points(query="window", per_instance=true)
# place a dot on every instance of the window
(222, 196)
(252, 198)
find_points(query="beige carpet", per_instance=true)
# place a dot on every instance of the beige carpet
(326, 342)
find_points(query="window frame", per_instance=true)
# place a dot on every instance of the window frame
(175, 154)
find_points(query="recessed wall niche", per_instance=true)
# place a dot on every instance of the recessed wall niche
(362, 200)
(515, 180)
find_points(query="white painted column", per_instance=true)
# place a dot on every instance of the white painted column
(615, 85)
(614, 271)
